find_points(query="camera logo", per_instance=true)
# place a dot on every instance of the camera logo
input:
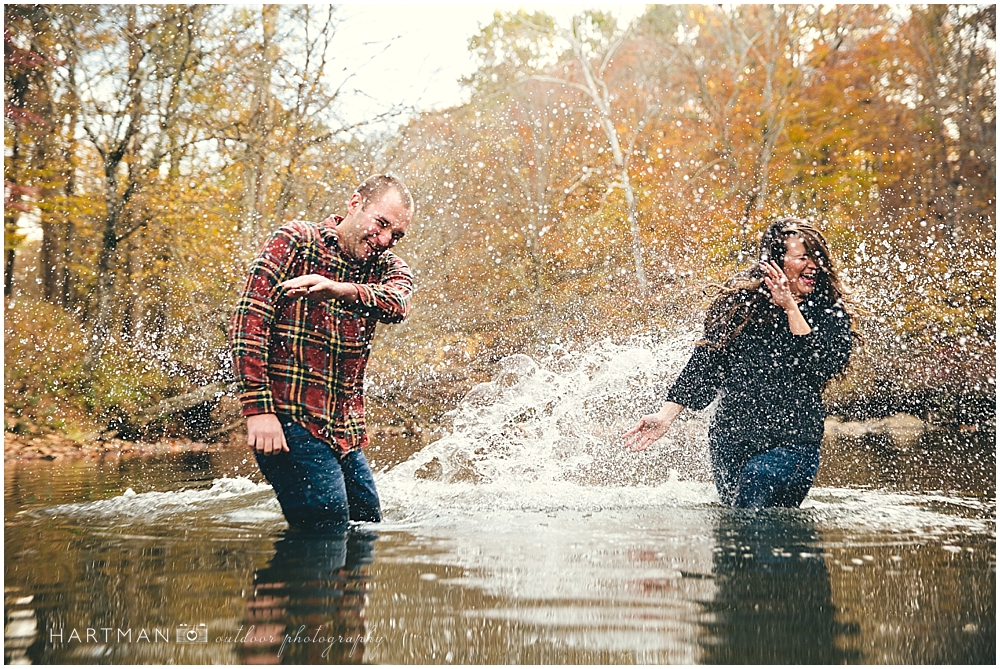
(187, 634)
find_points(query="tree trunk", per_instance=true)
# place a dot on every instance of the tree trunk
(8, 271)
(127, 299)
(633, 222)
(599, 94)
(68, 296)
(49, 257)
(105, 283)
(114, 206)
(50, 254)
(257, 176)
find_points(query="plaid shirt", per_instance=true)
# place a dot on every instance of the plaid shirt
(303, 359)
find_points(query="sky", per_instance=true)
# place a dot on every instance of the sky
(416, 53)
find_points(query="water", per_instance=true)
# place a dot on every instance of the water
(524, 535)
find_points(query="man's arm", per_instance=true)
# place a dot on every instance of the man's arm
(319, 288)
(389, 299)
(249, 337)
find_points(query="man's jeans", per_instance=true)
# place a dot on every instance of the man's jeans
(780, 476)
(317, 486)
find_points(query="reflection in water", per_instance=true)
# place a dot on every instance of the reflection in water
(508, 572)
(773, 600)
(308, 604)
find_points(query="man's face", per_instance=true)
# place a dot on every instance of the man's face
(368, 232)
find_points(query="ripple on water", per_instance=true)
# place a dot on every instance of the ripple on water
(879, 511)
(235, 503)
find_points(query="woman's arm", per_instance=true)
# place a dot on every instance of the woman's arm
(781, 295)
(828, 348)
(696, 387)
(651, 427)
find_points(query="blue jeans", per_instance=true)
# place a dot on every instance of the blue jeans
(317, 486)
(749, 479)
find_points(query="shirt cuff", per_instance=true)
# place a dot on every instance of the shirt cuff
(257, 402)
(366, 295)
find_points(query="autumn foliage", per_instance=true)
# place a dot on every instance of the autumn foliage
(598, 178)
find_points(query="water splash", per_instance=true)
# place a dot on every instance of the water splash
(561, 418)
(546, 433)
(544, 436)
(229, 500)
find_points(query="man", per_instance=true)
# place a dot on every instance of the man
(300, 339)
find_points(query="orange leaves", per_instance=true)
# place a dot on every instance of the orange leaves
(877, 122)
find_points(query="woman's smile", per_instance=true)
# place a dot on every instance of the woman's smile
(799, 267)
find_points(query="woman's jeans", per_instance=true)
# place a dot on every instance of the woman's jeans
(318, 486)
(747, 478)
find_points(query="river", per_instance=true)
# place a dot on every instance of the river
(522, 534)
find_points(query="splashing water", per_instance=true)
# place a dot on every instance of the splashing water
(548, 432)
(228, 502)
(542, 436)
(545, 435)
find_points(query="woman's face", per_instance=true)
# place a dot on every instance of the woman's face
(799, 267)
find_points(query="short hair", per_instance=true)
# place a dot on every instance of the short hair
(375, 186)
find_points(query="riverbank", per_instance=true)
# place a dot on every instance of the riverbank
(58, 446)
(902, 429)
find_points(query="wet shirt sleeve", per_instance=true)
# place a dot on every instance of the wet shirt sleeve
(251, 324)
(700, 380)
(388, 300)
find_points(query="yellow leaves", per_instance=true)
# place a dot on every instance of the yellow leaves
(729, 117)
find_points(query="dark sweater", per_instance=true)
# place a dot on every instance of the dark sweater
(769, 380)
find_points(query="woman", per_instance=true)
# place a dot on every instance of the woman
(773, 339)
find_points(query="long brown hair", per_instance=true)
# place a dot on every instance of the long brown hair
(745, 296)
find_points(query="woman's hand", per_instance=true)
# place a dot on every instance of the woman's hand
(777, 283)
(318, 288)
(782, 295)
(651, 427)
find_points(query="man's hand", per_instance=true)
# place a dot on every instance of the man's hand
(264, 434)
(319, 288)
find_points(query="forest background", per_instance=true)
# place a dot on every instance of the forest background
(597, 180)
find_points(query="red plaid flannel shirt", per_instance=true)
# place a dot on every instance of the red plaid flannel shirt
(303, 359)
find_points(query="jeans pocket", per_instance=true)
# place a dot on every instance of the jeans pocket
(295, 431)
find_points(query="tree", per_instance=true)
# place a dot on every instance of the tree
(27, 72)
(955, 79)
(155, 145)
(595, 41)
(277, 140)
(516, 49)
(744, 66)
(130, 106)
